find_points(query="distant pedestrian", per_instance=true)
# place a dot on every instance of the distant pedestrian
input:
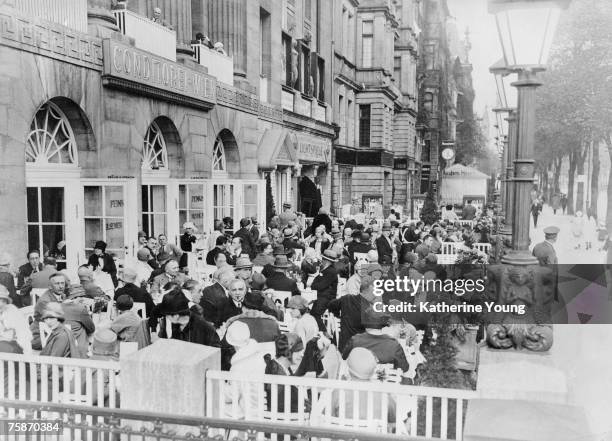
(536, 208)
(564, 202)
(578, 229)
(555, 203)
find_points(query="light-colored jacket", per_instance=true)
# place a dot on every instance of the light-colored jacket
(14, 327)
(242, 402)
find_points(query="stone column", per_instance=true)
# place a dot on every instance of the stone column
(227, 23)
(100, 20)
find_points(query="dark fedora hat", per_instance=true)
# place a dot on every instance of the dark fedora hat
(174, 303)
(281, 261)
(253, 301)
(330, 255)
(279, 250)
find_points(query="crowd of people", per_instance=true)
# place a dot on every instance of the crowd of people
(237, 309)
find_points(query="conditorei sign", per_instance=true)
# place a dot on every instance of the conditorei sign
(313, 150)
(126, 67)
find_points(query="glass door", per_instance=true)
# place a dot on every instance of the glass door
(154, 209)
(224, 208)
(47, 222)
(191, 205)
(105, 218)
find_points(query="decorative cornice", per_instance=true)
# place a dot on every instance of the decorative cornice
(348, 82)
(301, 122)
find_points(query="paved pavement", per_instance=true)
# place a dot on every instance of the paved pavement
(566, 243)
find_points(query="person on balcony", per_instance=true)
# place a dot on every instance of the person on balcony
(219, 48)
(15, 336)
(157, 18)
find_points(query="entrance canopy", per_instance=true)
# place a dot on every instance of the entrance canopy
(277, 147)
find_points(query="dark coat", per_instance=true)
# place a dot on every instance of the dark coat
(7, 280)
(212, 298)
(349, 309)
(254, 233)
(109, 266)
(248, 244)
(384, 249)
(187, 241)
(25, 271)
(322, 219)
(325, 244)
(225, 310)
(197, 331)
(280, 282)
(212, 255)
(138, 295)
(290, 245)
(326, 283)
(357, 247)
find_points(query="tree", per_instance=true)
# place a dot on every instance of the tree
(471, 142)
(429, 212)
(575, 104)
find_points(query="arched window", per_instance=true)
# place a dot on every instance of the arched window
(154, 152)
(219, 165)
(51, 139)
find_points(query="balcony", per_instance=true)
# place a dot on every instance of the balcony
(69, 13)
(218, 65)
(148, 35)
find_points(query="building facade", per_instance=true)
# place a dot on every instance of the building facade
(114, 122)
(375, 103)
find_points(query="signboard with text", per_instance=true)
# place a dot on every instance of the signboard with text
(129, 68)
(313, 150)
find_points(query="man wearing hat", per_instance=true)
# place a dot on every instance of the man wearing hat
(289, 242)
(385, 246)
(386, 348)
(248, 244)
(15, 336)
(7, 280)
(180, 324)
(326, 285)
(348, 309)
(61, 342)
(287, 215)
(278, 250)
(265, 255)
(127, 324)
(244, 269)
(100, 259)
(278, 279)
(546, 254)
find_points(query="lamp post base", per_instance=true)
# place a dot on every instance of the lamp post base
(519, 258)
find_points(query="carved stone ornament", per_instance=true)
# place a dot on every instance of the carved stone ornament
(531, 287)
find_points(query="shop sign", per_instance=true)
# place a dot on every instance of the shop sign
(150, 72)
(313, 150)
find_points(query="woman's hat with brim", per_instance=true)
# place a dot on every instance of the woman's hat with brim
(53, 310)
(238, 334)
(105, 343)
(100, 245)
(361, 363)
(175, 303)
(281, 261)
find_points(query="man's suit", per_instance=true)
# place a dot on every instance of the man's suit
(160, 281)
(384, 248)
(326, 285)
(26, 271)
(248, 244)
(280, 282)
(226, 310)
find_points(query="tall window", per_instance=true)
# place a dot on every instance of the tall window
(306, 85)
(287, 60)
(397, 71)
(51, 140)
(346, 179)
(191, 205)
(265, 61)
(345, 33)
(154, 152)
(250, 199)
(367, 39)
(223, 205)
(321, 79)
(342, 119)
(46, 221)
(364, 125)
(219, 165)
(350, 123)
(154, 211)
(104, 217)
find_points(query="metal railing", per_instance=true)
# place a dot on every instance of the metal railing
(370, 407)
(148, 35)
(128, 425)
(69, 13)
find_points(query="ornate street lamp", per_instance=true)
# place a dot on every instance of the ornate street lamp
(526, 29)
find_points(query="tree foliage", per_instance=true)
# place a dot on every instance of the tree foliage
(575, 103)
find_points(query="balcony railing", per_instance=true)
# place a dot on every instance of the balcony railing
(69, 13)
(218, 65)
(148, 35)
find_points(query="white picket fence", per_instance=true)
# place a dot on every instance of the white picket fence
(451, 247)
(59, 380)
(371, 406)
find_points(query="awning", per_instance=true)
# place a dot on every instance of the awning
(277, 147)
